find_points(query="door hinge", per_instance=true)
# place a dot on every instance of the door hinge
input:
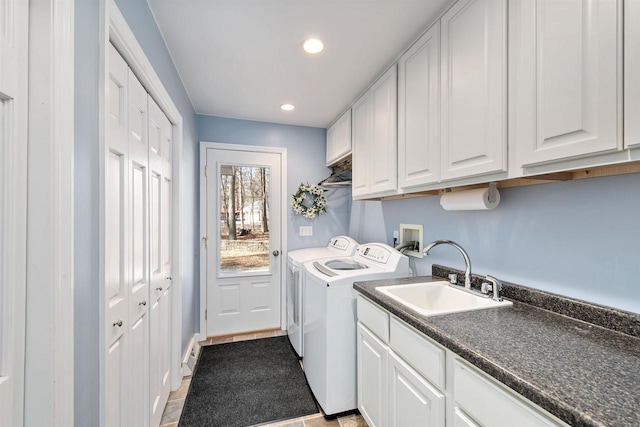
(206, 171)
(205, 314)
(205, 239)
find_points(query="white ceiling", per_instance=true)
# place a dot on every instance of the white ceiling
(243, 58)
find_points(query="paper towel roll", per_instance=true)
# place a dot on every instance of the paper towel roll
(469, 200)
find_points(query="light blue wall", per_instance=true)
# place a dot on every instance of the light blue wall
(580, 239)
(86, 213)
(86, 191)
(306, 153)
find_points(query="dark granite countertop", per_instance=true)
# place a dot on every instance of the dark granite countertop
(584, 374)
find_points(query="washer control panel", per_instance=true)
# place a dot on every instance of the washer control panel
(375, 253)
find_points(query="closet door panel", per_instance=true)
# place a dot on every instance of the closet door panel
(116, 268)
(138, 361)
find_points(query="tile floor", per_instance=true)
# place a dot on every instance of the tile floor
(173, 409)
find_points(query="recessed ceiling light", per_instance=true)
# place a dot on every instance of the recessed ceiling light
(287, 107)
(313, 45)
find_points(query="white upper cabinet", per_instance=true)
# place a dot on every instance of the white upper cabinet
(473, 89)
(361, 110)
(339, 139)
(375, 138)
(419, 112)
(632, 73)
(384, 155)
(565, 78)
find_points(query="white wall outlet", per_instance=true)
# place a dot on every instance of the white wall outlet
(412, 233)
(395, 234)
(306, 230)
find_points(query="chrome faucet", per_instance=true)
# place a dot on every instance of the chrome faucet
(495, 286)
(467, 271)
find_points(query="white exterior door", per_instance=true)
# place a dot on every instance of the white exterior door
(474, 89)
(116, 242)
(14, 30)
(160, 146)
(243, 230)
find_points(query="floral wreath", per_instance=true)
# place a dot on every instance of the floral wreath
(309, 192)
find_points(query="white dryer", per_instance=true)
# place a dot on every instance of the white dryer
(330, 320)
(339, 246)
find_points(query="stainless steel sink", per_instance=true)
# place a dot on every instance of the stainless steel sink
(433, 298)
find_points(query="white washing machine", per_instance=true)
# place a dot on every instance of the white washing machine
(330, 320)
(339, 246)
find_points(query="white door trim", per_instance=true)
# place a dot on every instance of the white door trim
(204, 145)
(49, 389)
(114, 29)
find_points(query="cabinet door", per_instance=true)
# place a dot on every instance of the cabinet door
(384, 153)
(474, 81)
(565, 78)
(331, 143)
(460, 419)
(631, 73)
(372, 378)
(362, 146)
(339, 143)
(419, 111)
(412, 400)
(472, 390)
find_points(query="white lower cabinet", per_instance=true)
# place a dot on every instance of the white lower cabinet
(412, 400)
(491, 404)
(372, 377)
(406, 379)
(460, 419)
(392, 392)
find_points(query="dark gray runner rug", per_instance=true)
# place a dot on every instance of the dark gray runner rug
(246, 383)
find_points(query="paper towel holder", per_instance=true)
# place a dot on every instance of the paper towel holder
(493, 190)
(471, 200)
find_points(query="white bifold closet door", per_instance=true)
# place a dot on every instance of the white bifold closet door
(137, 252)
(160, 145)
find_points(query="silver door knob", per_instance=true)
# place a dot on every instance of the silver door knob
(276, 252)
(143, 302)
(159, 288)
(118, 323)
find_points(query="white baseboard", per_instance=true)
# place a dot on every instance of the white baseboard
(189, 358)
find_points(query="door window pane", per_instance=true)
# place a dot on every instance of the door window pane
(244, 220)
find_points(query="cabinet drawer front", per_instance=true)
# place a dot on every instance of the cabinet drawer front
(426, 357)
(492, 405)
(374, 318)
